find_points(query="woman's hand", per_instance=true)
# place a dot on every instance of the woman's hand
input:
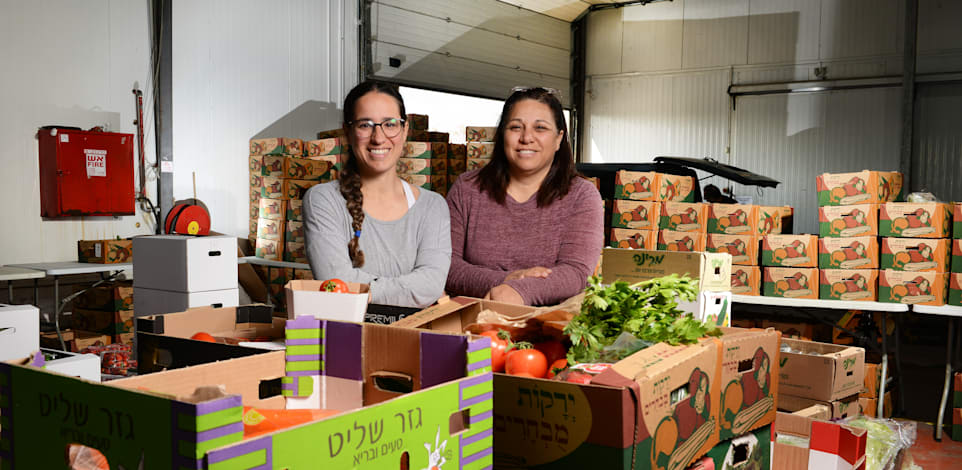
(537, 271)
(504, 293)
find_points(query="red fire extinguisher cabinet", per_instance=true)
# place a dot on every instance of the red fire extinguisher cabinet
(86, 173)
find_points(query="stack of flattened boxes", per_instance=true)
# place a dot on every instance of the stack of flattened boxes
(424, 162)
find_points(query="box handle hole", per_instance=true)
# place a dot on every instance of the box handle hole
(269, 388)
(213, 253)
(744, 366)
(393, 382)
(459, 421)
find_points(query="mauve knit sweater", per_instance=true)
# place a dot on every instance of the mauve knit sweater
(490, 240)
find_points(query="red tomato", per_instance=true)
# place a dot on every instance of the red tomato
(552, 350)
(334, 285)
(526, 359)
(201, 336)
(559, 365)
(498, 346)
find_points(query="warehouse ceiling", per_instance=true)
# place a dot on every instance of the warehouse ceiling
(566, 10)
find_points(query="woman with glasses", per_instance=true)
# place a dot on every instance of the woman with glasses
(525, 229)
(370, 226)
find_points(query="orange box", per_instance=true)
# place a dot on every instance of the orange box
(915, 254)
(743, 248)
(848, 253)
(845, 189)
(732, 218)
(639, 215)
(669, 240)
(955, 291)
(768, 220)
(848, 284)
(957, 220)
(907, 287)
(848, 221)
(912, 220)
(956, 256)
(683, 216)
(632, 238)
(790, 250)
(636, 185)
(675, 188)
(746, 280)
(799, 330)
(796, 282)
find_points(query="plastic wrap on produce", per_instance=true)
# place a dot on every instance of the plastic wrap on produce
(794, 441)
(886, 438)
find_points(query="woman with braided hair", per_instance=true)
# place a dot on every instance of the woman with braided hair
(370, 226)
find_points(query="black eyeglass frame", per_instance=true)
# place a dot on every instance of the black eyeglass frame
(374, 126)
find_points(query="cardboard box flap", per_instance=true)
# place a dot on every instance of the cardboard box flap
(208, 319)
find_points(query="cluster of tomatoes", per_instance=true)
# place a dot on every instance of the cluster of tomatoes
(545, 359)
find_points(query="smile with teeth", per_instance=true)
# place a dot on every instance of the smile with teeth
(527, 152)
(378, 152)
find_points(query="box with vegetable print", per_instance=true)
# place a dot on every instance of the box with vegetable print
(683, 216)
(907, 287)
(915, 220)
(848, 253)
(797, 283)
(638, 215)
(915, 254)
(845, 189)
(848, 221)
(848, 284)
(743, 248)
(732, 219)
(790, 250)
(637, 185)
(746, 280)
(635, 239)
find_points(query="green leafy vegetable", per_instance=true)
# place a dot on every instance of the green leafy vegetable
(647, 309)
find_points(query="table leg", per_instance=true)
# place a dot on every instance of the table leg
(947, 384)
(885, 368)
(36, 293)
(898, 364)
(56, 311)
(10, 291)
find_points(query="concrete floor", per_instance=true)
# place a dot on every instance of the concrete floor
(932, 455)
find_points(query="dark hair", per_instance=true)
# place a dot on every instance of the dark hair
(494, 177)
(350, 176)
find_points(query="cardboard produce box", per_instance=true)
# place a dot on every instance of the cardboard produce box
(273, 209)
(683, 216)
(915, 220)
(838, 409)
(752, 450)
(915, 254)
(873, 379)
(749, 380)
(676, 188)
(743, 248)
(479, 134)
(456, 166)
(821, 371)
(270, 229)
(307, 169)
(295, 209)
(830, 445)
(158, 418)
(422, 166)
(439, 150)
(305, 298)
(732, 219)
(790, 250)
(457, 151)
(98, 321)
(957, 220)
(334, 161)
(925, 288)
(269, 249)
(848, 284)
(329, 146)
(681, 241)
(418, 122)
(282, 145)
(338, 132)
(423, 181)
(956, 263)
(257, 181)
(637, 185)
(845, 189)
(797, 283)
(417, 150)
(273, 165)
(294, 232)
(768, 220)
(479, 149)
(793, 330)
(634, 239)
(105, 251)
(476, 163)
(443, 137)
(295, 189)
(272, 188)
(848, 253)
(746, 280)
(869, 406)
(108, 297)
(848, 221)
(295, 252)
(638, 215)
(712, 270)
(955, 289)
(254, 164)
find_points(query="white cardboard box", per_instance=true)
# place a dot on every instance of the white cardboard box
(19, 331)
(715, 307)
(154, 301)
(181, 263)
(305, 298)
(85, 366)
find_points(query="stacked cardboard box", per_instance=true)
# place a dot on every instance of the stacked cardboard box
(737, 229)
(869, 396)
(424, 162)
(819, 373)
(957, 407)
(915, 252)
(827, 445)
(282, 170)
(106, 309)
(955, 278)
(479, 147)
(457, 162)
(105, 251)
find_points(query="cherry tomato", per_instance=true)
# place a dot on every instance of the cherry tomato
(499, 344)
(526, 359)
(552, 350)
(202, 336)
(334, 285)
(557, 366)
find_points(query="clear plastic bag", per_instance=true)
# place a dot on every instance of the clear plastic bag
(886, 438)
(919, 197)
(624, 345)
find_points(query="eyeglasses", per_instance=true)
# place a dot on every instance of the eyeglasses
(365, 128)
(551, 91)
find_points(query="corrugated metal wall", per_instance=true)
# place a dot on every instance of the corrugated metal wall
(247, 70)
(937, 162)
(476, 47)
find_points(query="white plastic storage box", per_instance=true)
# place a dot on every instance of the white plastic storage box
(185, 264)
(19, 331)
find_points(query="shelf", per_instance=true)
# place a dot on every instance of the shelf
(815, 303)
(946, 310)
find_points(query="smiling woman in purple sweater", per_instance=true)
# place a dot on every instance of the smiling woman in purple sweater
(525, 228)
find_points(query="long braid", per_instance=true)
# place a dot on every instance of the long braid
(350, 180)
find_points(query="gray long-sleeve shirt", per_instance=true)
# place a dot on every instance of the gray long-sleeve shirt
(406, 260)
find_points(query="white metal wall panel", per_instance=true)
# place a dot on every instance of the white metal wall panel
(67, 63)
(943, 21)
(856, 28)
(937, 162)
(566, 10)
(604, 42)
(266, 69)
(794, 138)
(783, 31)
(754, 74)
(716, 33)
(443, 45)
(634, 119)
(653, 37)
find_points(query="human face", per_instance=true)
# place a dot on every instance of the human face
(377, 154)
(531, 138)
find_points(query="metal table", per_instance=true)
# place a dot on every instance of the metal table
(883, 307)
(272, 263)
(954, 313)
(13, 273)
